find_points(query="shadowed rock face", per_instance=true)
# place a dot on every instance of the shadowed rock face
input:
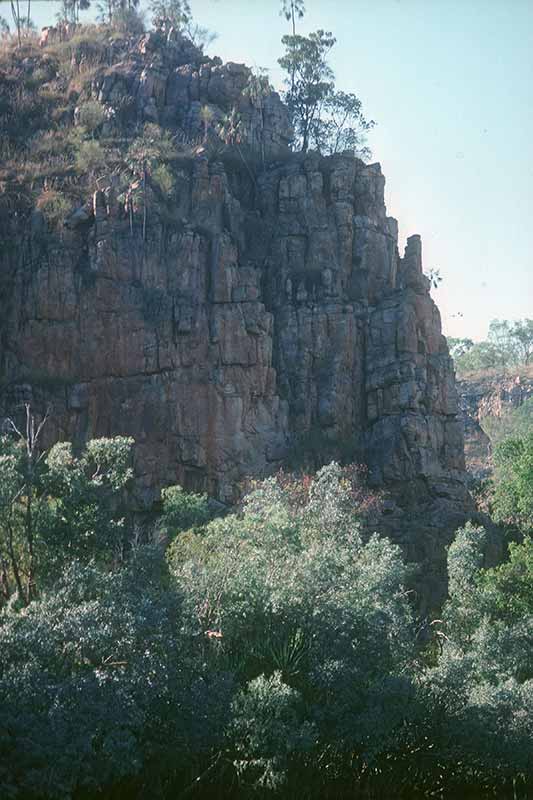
(269, 307)
(489, 395)
(250, 321)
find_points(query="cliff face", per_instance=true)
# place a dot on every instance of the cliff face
(484, 399)
(268, 312)
(262, 320)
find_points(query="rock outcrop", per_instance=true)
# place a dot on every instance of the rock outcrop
(266, 313)
(485, 398)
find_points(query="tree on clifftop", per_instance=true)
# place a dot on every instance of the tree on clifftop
(310, 80)
(323, 118)
(168, 14)
(292, 10)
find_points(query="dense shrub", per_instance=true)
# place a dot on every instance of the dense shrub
(513, 483)
(91, 115)
(293, 599)
(99, 682)
(183, 510)
(269, 652)
(60, 507)
(54, 206)
(90, 158)
(482, 686)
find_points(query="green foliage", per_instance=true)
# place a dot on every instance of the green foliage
(513, 482)
(91, 115)
(268, 727)
(54, 206)
(435, 278)
(292, 599)
(328, 120)
(147, 158)
(90, 158)
(97, 678)
(69, 10)
(88, 519)
(152, 147)
(167, 14)
(482, 720)
(512, 424)
(56, 507)
(510, 586)
(272, 650)
(458, 347)
(112, 10)
(479, 356)
(128, 21)
(164, 179)
(183, 510)
(341, 125)
(309, 80)
(508, 344)
(522, 333)
(293, 10)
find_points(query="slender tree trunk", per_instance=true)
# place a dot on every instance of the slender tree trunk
(305, 133)
(144, 201)
(4, 580)
(252, 176)
(293, 69)
(15, 11)
(14, 564)
(28, 523)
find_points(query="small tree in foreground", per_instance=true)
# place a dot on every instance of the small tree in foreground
(480, 693)
(101, 678)
(55, 507)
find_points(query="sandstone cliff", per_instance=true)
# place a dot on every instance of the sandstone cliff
(485, 399)
(266, 313)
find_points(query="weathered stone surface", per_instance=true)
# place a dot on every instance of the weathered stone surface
(230, 337)
(490, 395)
(171, 82)
(262, 309)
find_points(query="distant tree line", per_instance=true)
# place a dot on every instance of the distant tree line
(509, 344)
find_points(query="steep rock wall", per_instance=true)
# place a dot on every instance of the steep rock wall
(261, 314)
(489, 397)
(262, 317)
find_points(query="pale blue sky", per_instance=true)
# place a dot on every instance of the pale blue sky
(449, 83)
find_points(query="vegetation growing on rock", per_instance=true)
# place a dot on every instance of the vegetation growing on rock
(172, 269)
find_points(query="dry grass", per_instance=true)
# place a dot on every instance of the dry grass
(54, 205)
(9, 46)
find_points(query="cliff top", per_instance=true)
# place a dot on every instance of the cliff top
(70, 109)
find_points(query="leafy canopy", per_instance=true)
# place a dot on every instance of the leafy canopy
(323, 118)
(55, 507)
(513, 482)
